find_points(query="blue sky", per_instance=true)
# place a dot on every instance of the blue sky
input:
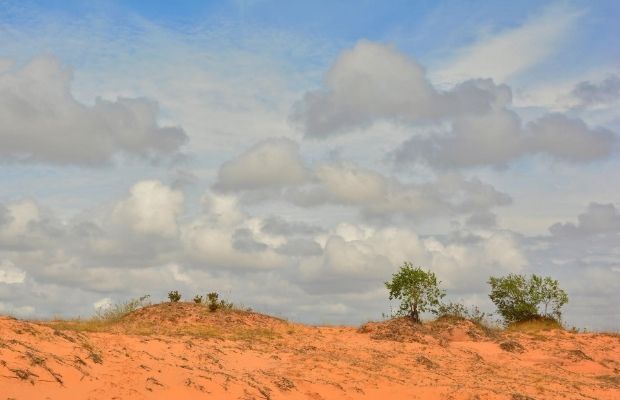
(293, 154)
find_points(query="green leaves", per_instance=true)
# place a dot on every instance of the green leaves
(519, 299)
(417, 290)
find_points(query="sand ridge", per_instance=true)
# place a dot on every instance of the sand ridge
(169, 350)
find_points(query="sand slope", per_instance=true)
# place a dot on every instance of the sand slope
(193, 354)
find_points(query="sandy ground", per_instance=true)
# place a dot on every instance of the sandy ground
(184, 352)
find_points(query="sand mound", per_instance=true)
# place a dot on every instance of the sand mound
(197, 320)
(443, 329)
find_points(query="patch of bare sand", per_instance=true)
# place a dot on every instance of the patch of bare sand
(253, 356)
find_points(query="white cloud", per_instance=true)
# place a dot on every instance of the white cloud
(499, 138)
(382, 198)
(270, 163)
(365, 256)
(21, 215)
(373, 82)
(597, 218)
(226, 237)
(102, 304)
(503, 55)
(151, 208)
(10, 274)
(43, 123)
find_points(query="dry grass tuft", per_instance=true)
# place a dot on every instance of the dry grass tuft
(535, 325)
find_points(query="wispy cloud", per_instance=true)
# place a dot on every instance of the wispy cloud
(509, 52)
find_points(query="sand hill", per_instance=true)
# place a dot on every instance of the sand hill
(183, 351)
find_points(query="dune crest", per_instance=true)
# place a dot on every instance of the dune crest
(182, 349)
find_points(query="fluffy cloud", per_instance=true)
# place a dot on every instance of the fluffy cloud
(226, 237)
(593, 94)
(151, 208)
(597, 219)
(381, 197)
(374, 82)
(281, 265)
(360, 257)
(499, 138)
(42, 121)
(9, 274)
(270, 163)
(342, 183)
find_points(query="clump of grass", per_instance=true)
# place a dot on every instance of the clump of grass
(116, 312)
(104, 317)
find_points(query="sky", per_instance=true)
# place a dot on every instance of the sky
(292, 155)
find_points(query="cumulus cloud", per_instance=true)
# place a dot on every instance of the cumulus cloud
(275, 261)
(224, 236)
(373, 82)
(43, 123)
(275, 225)
(593, 94)
(597, 218)
(151, 208)
(343, 183)
(357, 257)
(472, 122)
(381, 197)
(270, 163)
(9, 274)
(499, 138)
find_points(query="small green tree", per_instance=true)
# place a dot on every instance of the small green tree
(417, 290)
(174, 296)
(518, 298)
(198, 299)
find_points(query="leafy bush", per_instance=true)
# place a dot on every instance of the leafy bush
(417, 290)
(174, 296)
(216, 304)
(198, 299)
(212, 298)
(518, 298)
(460, 311)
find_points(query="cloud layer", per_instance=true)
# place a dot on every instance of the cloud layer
(43, 123)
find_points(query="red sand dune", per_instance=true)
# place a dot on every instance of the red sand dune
(182, 351)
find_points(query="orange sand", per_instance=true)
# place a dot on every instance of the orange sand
(181, 351)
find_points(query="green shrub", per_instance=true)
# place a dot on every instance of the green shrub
(460, 311)
(174, 296)
(417, 290)
(212, 298)
(198, 299)
(216, 304)
(518, 298)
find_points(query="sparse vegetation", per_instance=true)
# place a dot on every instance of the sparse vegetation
(115, 312)
(174, 296)
(519, 299)
(453, 310)
(198, 299)
(215, 304)
(417, 290)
